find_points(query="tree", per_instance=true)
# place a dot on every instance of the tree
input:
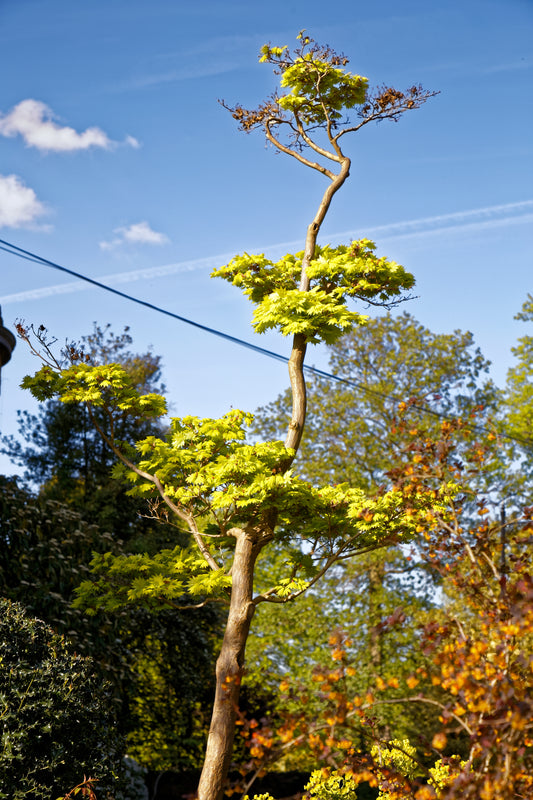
(352, 430)
(157, 665)
(290, 657)
(235, 498)
(354, 433)
(63, 455)
(518, 415)
(479, 658)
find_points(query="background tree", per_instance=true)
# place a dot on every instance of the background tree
(517, 419)
(476, 677)
(355, 433)
(288, 654)
(235, 498)
(158, 666)
(352, 431)
(65, 458)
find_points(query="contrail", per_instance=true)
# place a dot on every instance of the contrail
(118, 277)
(475, 219)
(459, 219)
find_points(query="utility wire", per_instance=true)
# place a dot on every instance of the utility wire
(14, 250)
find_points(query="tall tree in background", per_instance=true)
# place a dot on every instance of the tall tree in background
(235, 498)
(355, 432)
(352, 431)
(518, 416)
(476, 677)
(63, 455)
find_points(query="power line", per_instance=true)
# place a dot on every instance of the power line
(27, 255)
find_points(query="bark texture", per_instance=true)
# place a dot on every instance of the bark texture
(229, 669)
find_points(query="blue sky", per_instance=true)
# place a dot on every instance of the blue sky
(117, 161)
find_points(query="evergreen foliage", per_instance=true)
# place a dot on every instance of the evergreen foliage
(56, 721)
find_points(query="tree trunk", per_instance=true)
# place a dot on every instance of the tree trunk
(230, 665)
(376, 577)
(230, 662)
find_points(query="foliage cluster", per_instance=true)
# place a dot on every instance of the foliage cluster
(335, 274)
(157, 664)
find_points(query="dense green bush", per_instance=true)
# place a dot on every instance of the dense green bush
(55, 721)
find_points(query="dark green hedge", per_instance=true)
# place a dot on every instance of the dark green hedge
(54, 714)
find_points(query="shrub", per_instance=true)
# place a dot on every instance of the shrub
(55, 722)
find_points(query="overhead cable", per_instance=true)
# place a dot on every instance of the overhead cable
(14, 250)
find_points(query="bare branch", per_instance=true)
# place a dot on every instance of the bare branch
(388, 103)
(295, 153)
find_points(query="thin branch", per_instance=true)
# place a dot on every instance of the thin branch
(197, 605)
(337, 157)
(421, 699)
(270, 596)
(187, 518)
(298, 156)
(492, 566)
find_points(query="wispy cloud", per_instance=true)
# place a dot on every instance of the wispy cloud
(180, 74)
(19, 205)
(510, 66)
(138, 233)
(212, 56)
(34, 122)
(476, 219)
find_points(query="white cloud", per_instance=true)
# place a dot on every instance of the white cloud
(19, 206)
(138, 233)
(34, 121)
(132, 142)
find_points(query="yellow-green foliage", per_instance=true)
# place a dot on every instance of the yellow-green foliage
(212, 475)
(325, 784)
(336, 274)
(320, 87)
(398, 756)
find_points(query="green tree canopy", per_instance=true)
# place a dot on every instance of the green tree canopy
(158, 665)
(517, 417)
(355, 433)
(63, 455)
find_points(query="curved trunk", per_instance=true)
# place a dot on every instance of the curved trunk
(230, 662)
(299, 343)
(229, 669)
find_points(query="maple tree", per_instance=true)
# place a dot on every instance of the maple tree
(234, 498)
